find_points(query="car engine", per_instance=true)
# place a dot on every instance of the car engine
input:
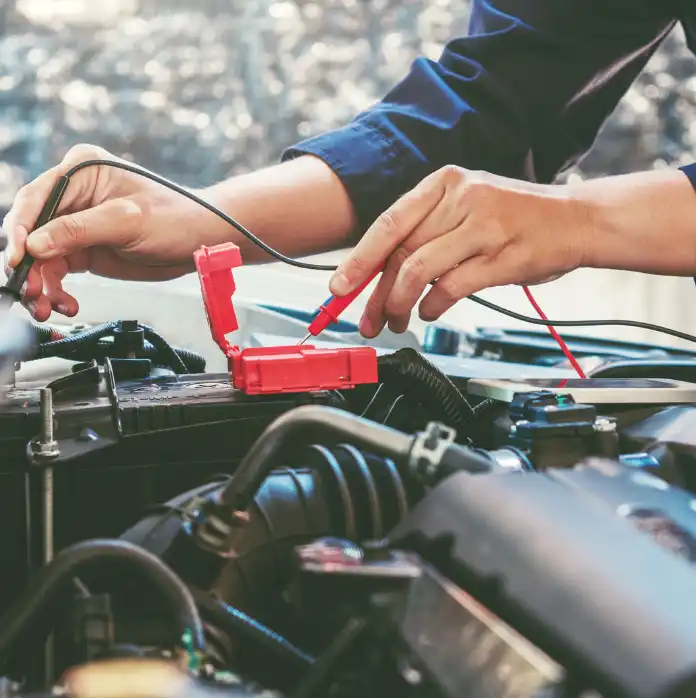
(433, 532)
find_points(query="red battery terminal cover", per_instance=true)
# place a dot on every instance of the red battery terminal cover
(272, 370)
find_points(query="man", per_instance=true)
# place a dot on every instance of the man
(448, 175)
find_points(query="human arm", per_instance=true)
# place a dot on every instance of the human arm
(502, 231)
(522, 95)
(120, 225)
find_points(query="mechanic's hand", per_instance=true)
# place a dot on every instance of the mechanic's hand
(470, 231)
(111, 222)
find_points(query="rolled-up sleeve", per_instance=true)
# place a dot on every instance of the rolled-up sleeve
(690, 172)
(523, 95)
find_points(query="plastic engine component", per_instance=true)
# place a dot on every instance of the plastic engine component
(272, 370)
(578, 561)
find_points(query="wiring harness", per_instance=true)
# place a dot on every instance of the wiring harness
(124, 339)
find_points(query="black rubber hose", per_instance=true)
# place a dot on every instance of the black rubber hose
(236, 623)
(309, 421)
(423, 381)
(37, 602)
(63, 347)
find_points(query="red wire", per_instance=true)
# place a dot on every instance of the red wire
(559, 340)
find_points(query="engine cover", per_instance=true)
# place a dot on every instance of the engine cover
(593, 564)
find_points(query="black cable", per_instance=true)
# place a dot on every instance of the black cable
(11, 291)
(584, 323)
(34, 607)
(94, 344)
(64, 347)
(201, 202)
(234, 622)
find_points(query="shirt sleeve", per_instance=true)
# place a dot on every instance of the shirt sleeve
(523, 94)
(690, 172)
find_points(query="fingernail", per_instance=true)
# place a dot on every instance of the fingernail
(367, 329)
(12, 253)
(39, 243)
(339, 284)
(63, 309)
(425, 316)
(23, 290)
(31, 307)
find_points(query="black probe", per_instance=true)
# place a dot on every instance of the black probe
(10, 292)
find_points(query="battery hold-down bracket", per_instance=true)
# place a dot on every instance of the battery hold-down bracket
(272, 370)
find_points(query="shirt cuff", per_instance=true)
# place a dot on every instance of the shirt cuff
(374, 167)
(690, 172)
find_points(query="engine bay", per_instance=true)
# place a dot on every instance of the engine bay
(431, 532)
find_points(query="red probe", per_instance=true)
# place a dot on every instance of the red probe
(328, 312)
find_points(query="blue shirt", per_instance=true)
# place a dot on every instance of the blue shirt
(523, 94)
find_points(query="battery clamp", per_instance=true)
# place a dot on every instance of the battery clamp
(272, 370)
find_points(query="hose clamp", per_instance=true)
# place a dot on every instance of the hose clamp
(429, 447)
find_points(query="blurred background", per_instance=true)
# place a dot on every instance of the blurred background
(198, 90)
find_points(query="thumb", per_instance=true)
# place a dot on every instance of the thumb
(113, 223)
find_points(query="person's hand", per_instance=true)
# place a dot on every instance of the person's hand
(111, 222)
(469, 231)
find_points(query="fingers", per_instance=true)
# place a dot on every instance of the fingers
(31, 198)
(16, 242)
(110, 223)
(469, 277)
(374, 318)
(32, 286)
(40, 309)
(387, 233)
(427, 263)
(60, 301)
(43, 290)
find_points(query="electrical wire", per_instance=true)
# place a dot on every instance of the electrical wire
(583, 323)
(552, 331)
(135, 169)
(16, 281)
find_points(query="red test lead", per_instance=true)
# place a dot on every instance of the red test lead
(329, 312)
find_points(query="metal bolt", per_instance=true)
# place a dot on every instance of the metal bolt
(46, 395)
(45, 446)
